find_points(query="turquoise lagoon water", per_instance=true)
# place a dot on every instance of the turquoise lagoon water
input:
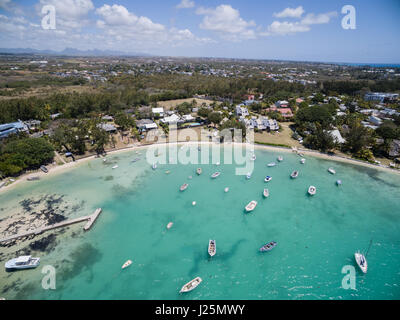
(317, 236)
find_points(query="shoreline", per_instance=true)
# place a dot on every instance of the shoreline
(58, 169)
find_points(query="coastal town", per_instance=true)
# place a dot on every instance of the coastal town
(76, 107)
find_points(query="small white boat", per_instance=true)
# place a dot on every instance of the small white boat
(167, 172)
(44, 169)
(361, 261)
(169, 225)
(215, 175)
(248, 176)
(267, 179)
(226, 189)
(127, 264)
(22, 262)
(294, 174)
(332, 171)
(184, 187)
(312, 190)
(104, 160)
(199, 171)
(191, 285)
(33, 179)
(280, 159)
(266, 193)
(218, 163)
(253, 157)
(339, 182)
(154, 166)
(212, 248)
(303, 161)
(272, 164)
(115, 167)
(251, 206)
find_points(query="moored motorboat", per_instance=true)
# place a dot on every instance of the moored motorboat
(251, 206)
(248, 176)
(169, 225)
(280, 158)
(226, 189)
(33, 179)
(44, 169)
(22, 262)
(303, 161)
(126, 264)
(154, 166)
(294, 174)
(339, 182)
(312, 190)
(266, 193)
(361, 261)
(191, 285)
(212, 248)
(215, 175)
(184, 187)
(332, 171)
(115, 167)
(272, 164)
(268, 246)
(267, 179)
(253, 157)
(199, 171)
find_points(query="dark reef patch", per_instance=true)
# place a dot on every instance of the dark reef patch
(81, 259)
(45, 244)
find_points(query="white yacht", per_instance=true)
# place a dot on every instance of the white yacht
(361, 261)
(126, 264)
(215, 175)
(272, 164)
(294, 174)
(191, 285)
(266, 193)
(212, 248)
(22, 262)
(280, 158)
(251, 206)
(303, 161)
(332, 171)
(312, 190)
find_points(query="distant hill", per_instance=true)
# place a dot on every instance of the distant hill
(70, 52)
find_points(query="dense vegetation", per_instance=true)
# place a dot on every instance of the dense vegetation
(22, 153)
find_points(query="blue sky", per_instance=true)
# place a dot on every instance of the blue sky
(255, 29)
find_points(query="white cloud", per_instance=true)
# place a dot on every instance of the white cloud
(4, 4)
(289, 28)
(70, 9)
(226, 21)
(290, 13)
(119, 16)
(286, 28)
(321, 18)
(71, 14)
(185, 4)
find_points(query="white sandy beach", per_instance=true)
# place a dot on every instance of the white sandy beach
(65, 167)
